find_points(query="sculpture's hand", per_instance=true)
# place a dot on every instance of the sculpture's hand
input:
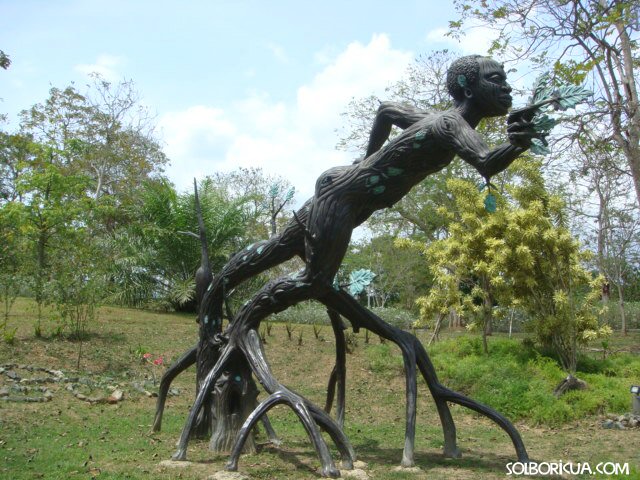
(524, 114)
(521, 133)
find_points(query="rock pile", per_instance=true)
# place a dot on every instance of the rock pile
(27, 383)
(622, 422)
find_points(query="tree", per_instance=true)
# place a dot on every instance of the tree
(13, 253)
(5, 61)
(264, 197)
(400, 274)
(15, 152)
(121, 150)
(104, 135)
(593, 41)
(615, 216)
(54, 206)
(153, 260)
(520, 256)
(71, 171)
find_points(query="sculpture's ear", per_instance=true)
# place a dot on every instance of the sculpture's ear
(462, 81)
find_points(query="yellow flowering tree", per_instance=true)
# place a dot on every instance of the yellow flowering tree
(521, 255)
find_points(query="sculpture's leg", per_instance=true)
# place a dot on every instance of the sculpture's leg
(348, 307)
(306, 411)
(441, 395)
(490, 413)
(271, 433)
(322, 263)
(256, 355)
(361, 317)
(339, 373)
(225, 355)
(179, 366)
(255, 259)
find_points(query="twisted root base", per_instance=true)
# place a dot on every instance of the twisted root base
(247, 344)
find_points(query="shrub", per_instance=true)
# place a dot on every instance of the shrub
(518, 380)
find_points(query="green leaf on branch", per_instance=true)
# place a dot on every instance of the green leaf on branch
(542, 88)
(359, 279)
(538, 147)
(571, 95)
(544, 123)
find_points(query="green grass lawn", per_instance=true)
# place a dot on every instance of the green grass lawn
(68, 438)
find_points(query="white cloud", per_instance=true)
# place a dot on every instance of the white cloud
(358, 71)
(295, 140)
(195, 139)
(476, 38)
(106, 66)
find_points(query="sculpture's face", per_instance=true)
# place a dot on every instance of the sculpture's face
(491, 94)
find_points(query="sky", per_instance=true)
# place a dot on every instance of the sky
(232, 83)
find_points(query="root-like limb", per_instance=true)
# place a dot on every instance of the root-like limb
(448, 426)
(185, 361)
(308, 413)
(339, 373)
(411, 393)
(441, 395)
(412, 348)
(270, 402)
(360, 317)
(271, 433)
(226, 355)
(488, 412)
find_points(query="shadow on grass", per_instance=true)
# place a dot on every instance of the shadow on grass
(289, 456)
(376, 457)
(105, 337)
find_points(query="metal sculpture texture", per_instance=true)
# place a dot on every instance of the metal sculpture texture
(319, 234)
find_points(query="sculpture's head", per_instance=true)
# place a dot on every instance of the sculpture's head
(480, 83)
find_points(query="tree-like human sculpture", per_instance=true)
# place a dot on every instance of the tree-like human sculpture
(345, 197)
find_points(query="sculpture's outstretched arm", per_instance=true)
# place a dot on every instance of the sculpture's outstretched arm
(471, 147)
(388, 115)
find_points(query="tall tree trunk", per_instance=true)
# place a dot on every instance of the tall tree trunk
(628, 138)
(623, 316)
(486, 326)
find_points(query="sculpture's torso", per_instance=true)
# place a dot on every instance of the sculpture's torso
(384, 178)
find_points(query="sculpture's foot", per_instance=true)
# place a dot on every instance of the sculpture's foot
(347, 464)
(330, 471)
(157, 424)
(407, 462)
(452, 452)
(276, 442)
(180, 455)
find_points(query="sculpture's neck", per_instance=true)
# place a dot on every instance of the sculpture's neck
(471, 115)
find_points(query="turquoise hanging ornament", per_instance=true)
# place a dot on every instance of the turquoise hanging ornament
(490, 203)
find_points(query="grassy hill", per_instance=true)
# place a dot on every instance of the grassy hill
(69, 437)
